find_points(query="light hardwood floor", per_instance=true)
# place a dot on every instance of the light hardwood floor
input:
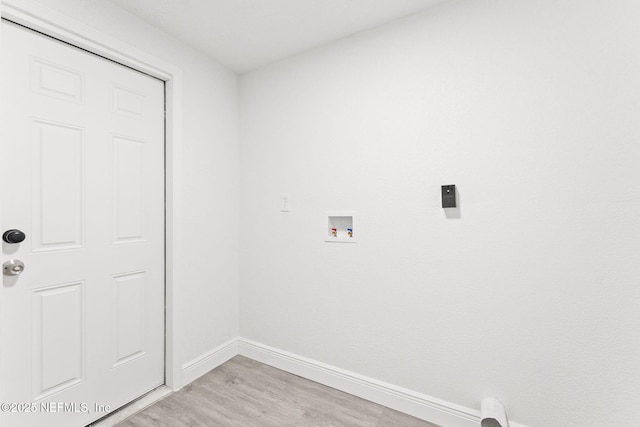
(246, 393)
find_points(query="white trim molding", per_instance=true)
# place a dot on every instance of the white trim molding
(202, 364)
(419, 405)
(34, 15)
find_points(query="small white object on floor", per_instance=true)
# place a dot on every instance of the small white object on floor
(492, 413)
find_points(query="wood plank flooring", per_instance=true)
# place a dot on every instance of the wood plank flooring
(246, 393)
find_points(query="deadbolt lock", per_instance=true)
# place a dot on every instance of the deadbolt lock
(13, 236)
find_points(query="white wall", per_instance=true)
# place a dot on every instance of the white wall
(530, 291)
(206, 232)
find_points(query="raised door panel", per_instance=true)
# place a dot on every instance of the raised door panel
(58, 338)
(128, 102)
(58, 183)
(130, 200)
(130, 313)
(56, 80)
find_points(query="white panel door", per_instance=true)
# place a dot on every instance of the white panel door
(82, 172)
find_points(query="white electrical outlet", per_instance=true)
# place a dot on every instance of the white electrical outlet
(284, 203)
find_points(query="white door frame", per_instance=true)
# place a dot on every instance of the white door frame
(46, 21)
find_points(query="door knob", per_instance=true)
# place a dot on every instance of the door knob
(13, 267)
(13, 236)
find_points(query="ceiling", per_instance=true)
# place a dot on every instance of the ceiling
(247, 34)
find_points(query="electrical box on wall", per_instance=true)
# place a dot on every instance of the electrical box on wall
(339, 228)
(448, 196)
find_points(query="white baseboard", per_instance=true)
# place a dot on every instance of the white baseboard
(419, 405)
(202, 364)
